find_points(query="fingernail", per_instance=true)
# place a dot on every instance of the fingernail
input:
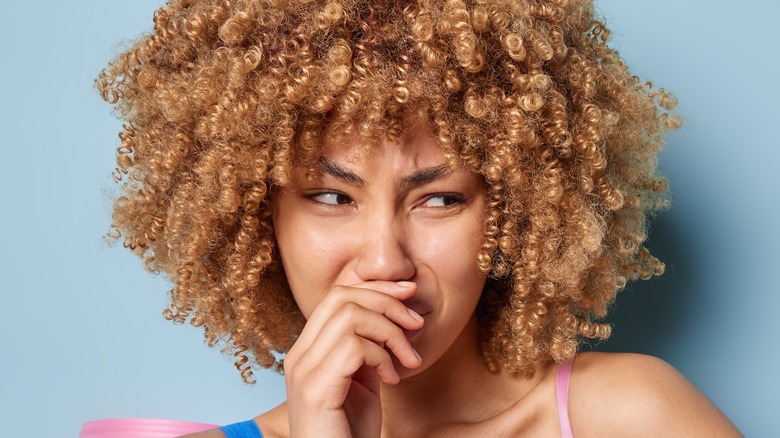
(417, 355)
(415, 315)
(404, 283)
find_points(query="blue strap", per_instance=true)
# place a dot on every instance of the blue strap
(244, 429)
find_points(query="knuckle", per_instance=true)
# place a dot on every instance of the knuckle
(350, 310)
(337, 292)
(352, 344)
(334, 296)
(396, 338)
(329, 300)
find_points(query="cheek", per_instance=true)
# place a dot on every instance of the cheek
(312, 259)
(451, 251)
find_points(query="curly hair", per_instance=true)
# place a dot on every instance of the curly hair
(224, 97)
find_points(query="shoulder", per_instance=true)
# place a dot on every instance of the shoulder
(272, 424)
(638, 395)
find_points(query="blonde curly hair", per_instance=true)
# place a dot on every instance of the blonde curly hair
(226, 96)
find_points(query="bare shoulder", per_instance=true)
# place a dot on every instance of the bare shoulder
(272, 424)
(637, 395)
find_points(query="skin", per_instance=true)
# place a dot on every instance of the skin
(380, 253)
(399, 234)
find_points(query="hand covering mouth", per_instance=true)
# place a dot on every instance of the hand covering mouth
(422, 309)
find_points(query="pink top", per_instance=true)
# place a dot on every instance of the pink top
(562, 397)
(140, 427)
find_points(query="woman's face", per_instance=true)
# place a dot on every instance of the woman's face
(395, 213)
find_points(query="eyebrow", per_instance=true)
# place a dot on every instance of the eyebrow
(331, 168)
(425, 176)
(416, 179)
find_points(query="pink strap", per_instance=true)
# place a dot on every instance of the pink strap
(562, 397)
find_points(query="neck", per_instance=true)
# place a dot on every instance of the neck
(457, 389)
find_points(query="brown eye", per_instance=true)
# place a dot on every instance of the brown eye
(444, 200)
(331, 198)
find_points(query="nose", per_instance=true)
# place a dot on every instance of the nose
(385, 252)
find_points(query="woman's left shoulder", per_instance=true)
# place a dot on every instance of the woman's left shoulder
(628, 368)
(624, 394)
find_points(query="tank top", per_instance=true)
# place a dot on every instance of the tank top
(562, 397)
(244, 429)
(249, 429)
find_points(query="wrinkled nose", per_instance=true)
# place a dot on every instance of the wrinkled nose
(384, 252)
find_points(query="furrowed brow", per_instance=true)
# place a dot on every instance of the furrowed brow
(331, 168)
(425, 176)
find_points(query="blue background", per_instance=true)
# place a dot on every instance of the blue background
(82, 333)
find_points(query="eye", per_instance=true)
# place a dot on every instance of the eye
(443, 200)
(331, 198)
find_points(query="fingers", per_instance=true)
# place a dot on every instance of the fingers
(382, 297)
(353, 327)
(355, 353)
(352, 318)
(356, 313)
(399, 290)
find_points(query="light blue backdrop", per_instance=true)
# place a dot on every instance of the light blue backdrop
(82, 333)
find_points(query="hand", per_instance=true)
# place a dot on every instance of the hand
(334, 370)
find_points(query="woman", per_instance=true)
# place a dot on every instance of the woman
(423, 208)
